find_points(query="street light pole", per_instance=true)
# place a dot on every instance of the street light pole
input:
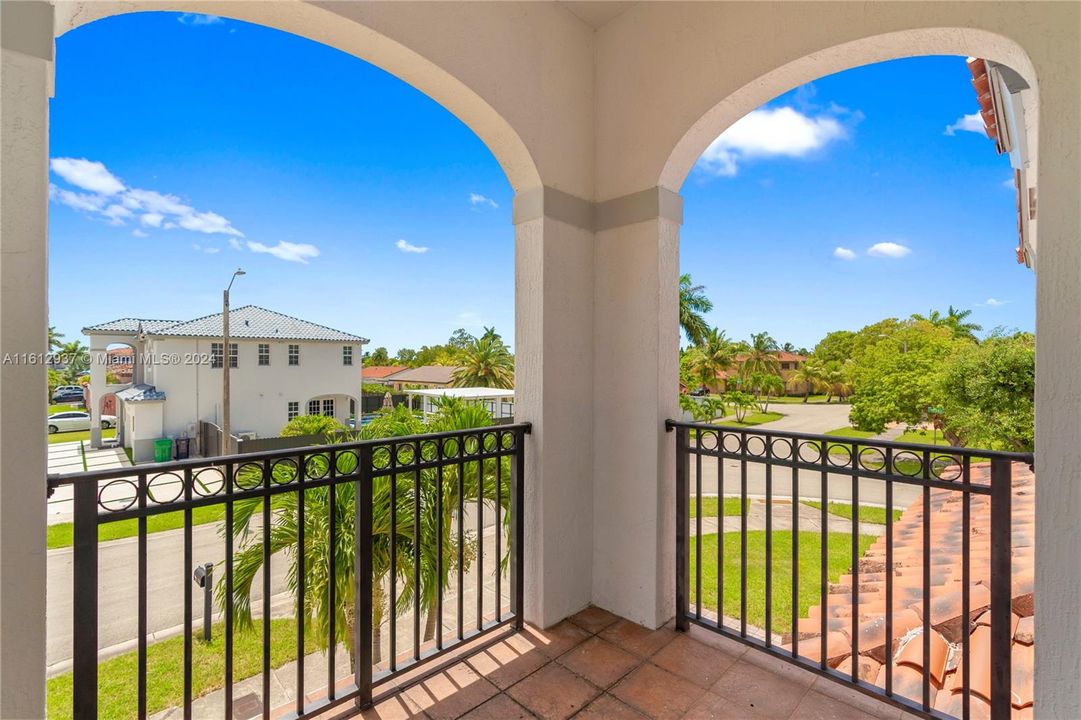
(226, 357)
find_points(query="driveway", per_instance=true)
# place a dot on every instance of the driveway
(67, 458)
(812, 419)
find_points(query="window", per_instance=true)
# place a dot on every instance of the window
(232, 355)
(313, 407)
(264, 354)
(352, 407)
(215, 355)
(292, 409)
(328, 407)
(347, 355)
(294, 354)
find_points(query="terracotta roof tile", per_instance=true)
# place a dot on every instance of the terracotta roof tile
(948, 626)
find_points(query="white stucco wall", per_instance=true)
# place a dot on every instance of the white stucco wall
(259, 394)
(598, 114)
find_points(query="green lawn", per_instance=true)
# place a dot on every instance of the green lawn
(76, 435)
(751, 419)
(798, 399)
(64, 408)
(61, 535)
(709, 506)
(118, 691)
(922, 437)
(839, 560)
(868, 513)
(844, 432)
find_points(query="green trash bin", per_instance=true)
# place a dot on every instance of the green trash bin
(163, 450)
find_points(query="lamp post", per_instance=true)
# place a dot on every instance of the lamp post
(226, 357)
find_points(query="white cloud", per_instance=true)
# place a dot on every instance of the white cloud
(406, 247)
(888, 250)
(967, 123)
(993, 302)
(87, 175)
(139, 233)
(235, 244)
(115, 202)
(292, 252)
(478, 199)
(843, 253)
(198, 19)
(207, 250)
(770, 132)
(1009, 184)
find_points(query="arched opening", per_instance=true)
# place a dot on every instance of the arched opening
(808, 239)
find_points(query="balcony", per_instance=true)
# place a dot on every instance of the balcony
(430, 552)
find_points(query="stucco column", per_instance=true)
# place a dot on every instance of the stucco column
(1058, 392)
(635, 389)
(98, 368)
(553, 390)
(27, 52)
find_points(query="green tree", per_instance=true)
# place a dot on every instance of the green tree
(460, 339)
(487, 362)
(379, 356)
(693, 304)
(896, 379)
(954, 319)
(809, 375)
(702, 409)
(55, 338)
(405, 356)
(715, 354)
(741, 402)
(761, 357)
(988, 391)
(76, 357)
(837, 345)
(766, 385)
(312, 425)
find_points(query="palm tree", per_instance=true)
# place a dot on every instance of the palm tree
(54, 338)
(761, 356)
(315, 567)
(77, 358)
(833, 377)
(714, 355)
(486, 362)
(809, 375)
(788, 347)
(954, 319)
(693, 304)
(765, 385)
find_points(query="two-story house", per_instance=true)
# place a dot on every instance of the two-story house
(280, 367)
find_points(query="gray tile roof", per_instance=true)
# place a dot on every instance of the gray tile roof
(141, 393)
(128, 325)
(249, 321)
(439, 374)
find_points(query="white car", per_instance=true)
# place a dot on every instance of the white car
(73, 420)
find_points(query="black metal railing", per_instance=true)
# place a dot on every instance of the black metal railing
(789, 467)
(399, 505)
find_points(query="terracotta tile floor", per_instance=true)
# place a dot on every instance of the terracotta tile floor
(597, 665)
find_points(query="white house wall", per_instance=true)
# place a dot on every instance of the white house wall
(259, 394)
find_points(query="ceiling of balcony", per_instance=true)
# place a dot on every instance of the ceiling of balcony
(596, 14)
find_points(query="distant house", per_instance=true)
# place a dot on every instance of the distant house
(280, 367)
(378, 373)
(425, 376)
(787, 363)
(120, 364)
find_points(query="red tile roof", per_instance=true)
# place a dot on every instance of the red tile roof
(378, 372)
(948, 626)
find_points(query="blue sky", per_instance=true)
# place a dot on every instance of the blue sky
(184, 147)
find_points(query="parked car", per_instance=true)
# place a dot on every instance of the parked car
(73, 420)
(68, 393)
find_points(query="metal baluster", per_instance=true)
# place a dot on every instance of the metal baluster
(362, 577)
(301, 559)
(795, 547)
(889, 573)
(439, 547)
(698, 523)
(683, 491)
(498, 531)
(189, 567)
(769, 540)
(142, 491)
(480, 534)
(517, 508)
(417, 540)
(460, 440)
(720, 533)
(85, 601)
(823, 590)
(926, 683)
(332, 585)
(267, 474)
(743, 534)
(966, 579)
(229, 540)
(1001, 500)
(855, 571)
(392, 448)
